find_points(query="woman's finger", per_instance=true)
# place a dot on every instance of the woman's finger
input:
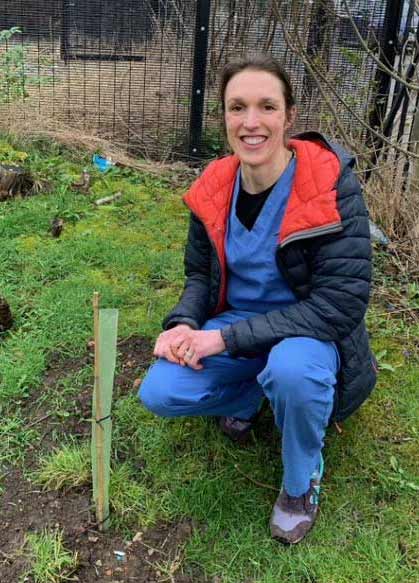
(173, 355)
(194, 363)
(192, 359)
(182, 348)
(168, 355)
(156, 349)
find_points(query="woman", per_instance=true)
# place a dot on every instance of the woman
(277, 281)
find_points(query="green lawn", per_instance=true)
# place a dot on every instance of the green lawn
(131, 252)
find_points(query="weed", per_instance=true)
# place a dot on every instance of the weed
(12, 66)
(11, 156)
(14, 78)
(67, 467)
(50, 561)
(15, 439)
(131, 501)
(400, 477)
(70, 467)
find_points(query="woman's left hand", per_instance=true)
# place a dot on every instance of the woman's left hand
(200, 344)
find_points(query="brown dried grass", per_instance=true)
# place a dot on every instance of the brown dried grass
(394, 205)
(145, 104)
(35, 126)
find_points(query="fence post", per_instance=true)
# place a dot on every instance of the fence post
(393, 15)
(319, 41)
(65, 23)
(198, 79)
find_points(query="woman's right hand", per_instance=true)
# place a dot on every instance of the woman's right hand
(169, 340)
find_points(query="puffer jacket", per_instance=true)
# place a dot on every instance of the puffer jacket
(323, 252)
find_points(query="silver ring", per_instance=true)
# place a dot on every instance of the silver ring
(189, 353)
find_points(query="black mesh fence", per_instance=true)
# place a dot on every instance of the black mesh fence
(144, 73)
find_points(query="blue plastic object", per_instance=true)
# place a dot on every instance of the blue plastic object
(101, 163)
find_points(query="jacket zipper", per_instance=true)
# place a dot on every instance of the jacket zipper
(310, 233)
(307, 234)
(222, 275)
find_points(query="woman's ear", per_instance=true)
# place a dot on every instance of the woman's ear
(291, 117)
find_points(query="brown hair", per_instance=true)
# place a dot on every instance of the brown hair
(257, 63)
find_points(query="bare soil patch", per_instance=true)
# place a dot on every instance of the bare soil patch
(134, 355)
(153, 556)
(27, 509)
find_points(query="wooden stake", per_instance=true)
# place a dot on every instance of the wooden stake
(100, 460)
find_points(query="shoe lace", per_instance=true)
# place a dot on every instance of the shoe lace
(304, 503)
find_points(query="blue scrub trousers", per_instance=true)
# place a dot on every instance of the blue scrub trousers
(298, 377)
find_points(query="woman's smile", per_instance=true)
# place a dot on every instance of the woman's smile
(253, 141)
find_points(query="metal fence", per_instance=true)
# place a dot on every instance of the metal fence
(144, 72)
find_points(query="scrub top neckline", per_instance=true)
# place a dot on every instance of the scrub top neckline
(267, 208)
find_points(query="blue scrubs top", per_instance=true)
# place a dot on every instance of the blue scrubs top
(255, 284)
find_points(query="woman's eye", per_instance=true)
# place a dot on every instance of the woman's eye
(269, 107)
(236, 108)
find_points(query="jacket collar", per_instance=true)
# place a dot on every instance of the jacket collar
(312, 206)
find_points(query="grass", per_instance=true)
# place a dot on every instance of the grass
(131, 252)
(65, 467)
(50, 561)
(15, 437)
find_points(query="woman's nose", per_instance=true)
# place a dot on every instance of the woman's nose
(251, 119)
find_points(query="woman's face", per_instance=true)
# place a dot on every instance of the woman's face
(256, 118)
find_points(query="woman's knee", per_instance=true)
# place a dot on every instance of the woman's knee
(295, 373)
(285, 376)
(154, 392)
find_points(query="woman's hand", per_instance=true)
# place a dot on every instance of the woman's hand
(168, 342)
(200, 344)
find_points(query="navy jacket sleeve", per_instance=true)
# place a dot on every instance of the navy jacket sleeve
(340, 285)
(193, 306)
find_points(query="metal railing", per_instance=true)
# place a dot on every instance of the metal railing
(144, 73)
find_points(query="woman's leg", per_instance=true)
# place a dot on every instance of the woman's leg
(225, 386)
(299, 380)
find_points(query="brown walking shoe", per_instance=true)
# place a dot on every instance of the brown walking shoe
(293, 516)
(238, 430)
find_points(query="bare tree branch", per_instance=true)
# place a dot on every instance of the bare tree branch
(381, 65)
(318, 75)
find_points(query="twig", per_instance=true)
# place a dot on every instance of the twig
(3, 476)
(261, 484)
(369, 52)
(38, 420)
(301, 52)
(398, 311)
(151, 548)
(107, 199)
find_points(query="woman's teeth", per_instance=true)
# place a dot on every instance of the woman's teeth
(253, 140)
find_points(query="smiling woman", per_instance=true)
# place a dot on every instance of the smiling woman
(277, 268)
